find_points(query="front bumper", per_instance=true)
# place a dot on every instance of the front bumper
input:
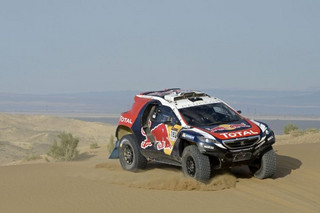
(226, 158)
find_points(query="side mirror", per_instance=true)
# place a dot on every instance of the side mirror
(239, 111)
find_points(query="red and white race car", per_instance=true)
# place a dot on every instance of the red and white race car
(193, 130)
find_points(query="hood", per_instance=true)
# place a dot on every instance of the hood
(237, 129)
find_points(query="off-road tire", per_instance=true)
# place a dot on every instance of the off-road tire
(130, 157)
(195, 164)
(265, 166)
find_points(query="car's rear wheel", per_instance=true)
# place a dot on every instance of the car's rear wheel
(265, 166)
(130, 157)
(195, 164)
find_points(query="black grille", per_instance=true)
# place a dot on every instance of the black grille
(241, 142)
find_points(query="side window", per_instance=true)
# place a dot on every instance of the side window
(164, 114)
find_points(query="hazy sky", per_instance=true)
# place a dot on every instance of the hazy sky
(79, 46)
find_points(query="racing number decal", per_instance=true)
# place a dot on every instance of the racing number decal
(173, 133)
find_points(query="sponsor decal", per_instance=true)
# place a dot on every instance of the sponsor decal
(146, 143)
(163, 145)
(226, 127)
(173, 134)
(125, 120)
(160, 135)
(187, 136)
(163, 140)
(239, 134)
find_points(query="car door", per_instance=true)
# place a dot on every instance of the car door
(165, 127)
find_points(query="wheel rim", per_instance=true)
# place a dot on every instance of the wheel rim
(128, 154)
(191, 166)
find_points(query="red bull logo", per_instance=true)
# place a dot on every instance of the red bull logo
(228, 127)
(160, 135)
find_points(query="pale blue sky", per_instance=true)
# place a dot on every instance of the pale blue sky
(80, 46)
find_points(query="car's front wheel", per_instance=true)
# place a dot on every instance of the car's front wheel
(195, 164)
(265, 166)
(130, 157)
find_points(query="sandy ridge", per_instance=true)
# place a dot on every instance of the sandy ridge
(95, 184)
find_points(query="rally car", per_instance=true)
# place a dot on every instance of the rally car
(193, 130)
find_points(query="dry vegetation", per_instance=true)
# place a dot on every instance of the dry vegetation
(294, 135)
(66, 148)
(26, 136)
(292, 139)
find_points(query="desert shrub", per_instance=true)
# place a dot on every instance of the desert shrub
(110, 144)
(289, 128)
(33, 157)
(312, 130)
(94, 146)
(297, 132)
(66, 149)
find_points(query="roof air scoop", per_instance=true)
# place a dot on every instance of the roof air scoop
(194, 99)
(179, 95)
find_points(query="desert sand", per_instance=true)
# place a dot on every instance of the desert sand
(95, 184)
(25, 135)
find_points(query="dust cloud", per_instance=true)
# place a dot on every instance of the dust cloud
(165, 178)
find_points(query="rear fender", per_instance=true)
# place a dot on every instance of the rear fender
(122, 131)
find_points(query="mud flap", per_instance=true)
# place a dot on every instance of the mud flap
(115, 152)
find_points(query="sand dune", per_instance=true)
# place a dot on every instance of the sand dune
(23, 135)
(95, 184)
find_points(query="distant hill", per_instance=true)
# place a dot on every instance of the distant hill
(284, 103)
(251, 102)
(102, 102)
(23, 135)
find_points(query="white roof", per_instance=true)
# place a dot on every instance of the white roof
(184, 103)
(183, 98)
(180, 99)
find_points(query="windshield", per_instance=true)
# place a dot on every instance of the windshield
(207, 115)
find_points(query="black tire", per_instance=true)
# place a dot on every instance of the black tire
(265, 166)
(130, 157)
(195, 164)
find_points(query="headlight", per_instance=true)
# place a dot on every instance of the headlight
(206, 140)
(205, 144)
(268, 131)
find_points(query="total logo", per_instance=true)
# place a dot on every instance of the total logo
(239, 134)
(125, 120)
